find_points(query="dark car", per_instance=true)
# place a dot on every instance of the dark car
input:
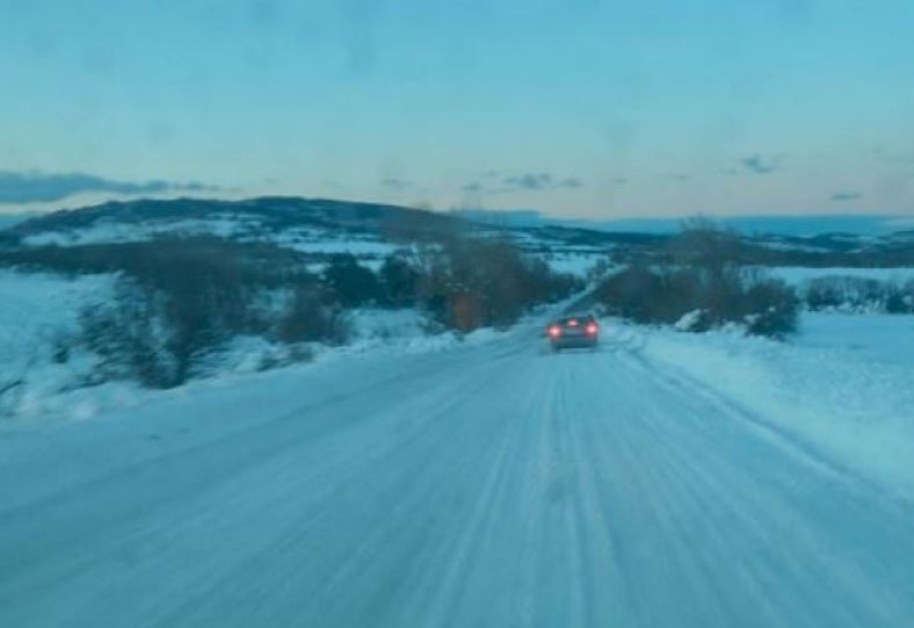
(574, 332)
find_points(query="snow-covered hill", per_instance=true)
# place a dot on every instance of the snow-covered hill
(373, 230)
(316, 227)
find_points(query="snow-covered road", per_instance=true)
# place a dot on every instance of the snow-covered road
(490, 485)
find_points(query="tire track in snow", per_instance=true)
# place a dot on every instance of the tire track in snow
(492, 487)
(706, 452)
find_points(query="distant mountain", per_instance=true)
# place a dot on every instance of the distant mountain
(8, 220)
(515, 218)
(264, 213)
(782, 225)
(298, 222)
(799, 226)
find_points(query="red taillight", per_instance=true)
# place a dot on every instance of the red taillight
(592, 329)
(555, 331)
(573, 322)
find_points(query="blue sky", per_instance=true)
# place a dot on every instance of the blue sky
(575, 107)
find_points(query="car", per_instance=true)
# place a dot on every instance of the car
(577, 331)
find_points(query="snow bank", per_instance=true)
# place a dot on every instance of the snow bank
(843, 388)
(405, 331)
(45, 373)
(578, 264)
(38, 319)
(798, 276)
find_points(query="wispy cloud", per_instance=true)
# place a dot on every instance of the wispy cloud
(493, 183)
(540, 181)
(41, 187)
(846, 196)
(893, 157)
(757, 164)
(396, 184)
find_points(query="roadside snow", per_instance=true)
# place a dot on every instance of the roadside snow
(842, 388)
(797, 276)
(45, 373)
(38, 316)
(405, 331)
(578, 264)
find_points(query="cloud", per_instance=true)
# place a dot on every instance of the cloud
(398, 185)
(492, 182)
(40, 187)
(756, 164)
(884, 155)
(529, 181)
(846, 196)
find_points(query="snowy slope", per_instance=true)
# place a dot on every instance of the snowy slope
(842, 388)
(491, 484)
(38, 317)
(797, 276)
(317, 228)
(45, 372)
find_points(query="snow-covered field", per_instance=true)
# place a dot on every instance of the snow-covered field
(843, 387)
(106, 233)
(578, 264)
(38, 317)
(797, 276)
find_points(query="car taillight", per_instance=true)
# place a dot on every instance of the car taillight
(592, 329)
(555, 331)
(573, 322)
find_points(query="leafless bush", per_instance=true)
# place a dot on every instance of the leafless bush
(857, 293)
(177, 302)
(310, 318)
(468, 283)
(665, 294)
(130, 337)
(701, 274)
(353, 284)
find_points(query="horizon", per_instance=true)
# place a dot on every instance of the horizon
(585, 110)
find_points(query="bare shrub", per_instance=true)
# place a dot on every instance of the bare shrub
(179, 301)
(665, 295)
(901, 299)
(310, 318)
(701, 274)
(353, 284)
(399, 281)
(473, 282)
(857, 293)
(772, 309)
(128, 335)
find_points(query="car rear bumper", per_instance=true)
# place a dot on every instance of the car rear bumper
(574, 342)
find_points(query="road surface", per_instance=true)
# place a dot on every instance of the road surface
(492, 485)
